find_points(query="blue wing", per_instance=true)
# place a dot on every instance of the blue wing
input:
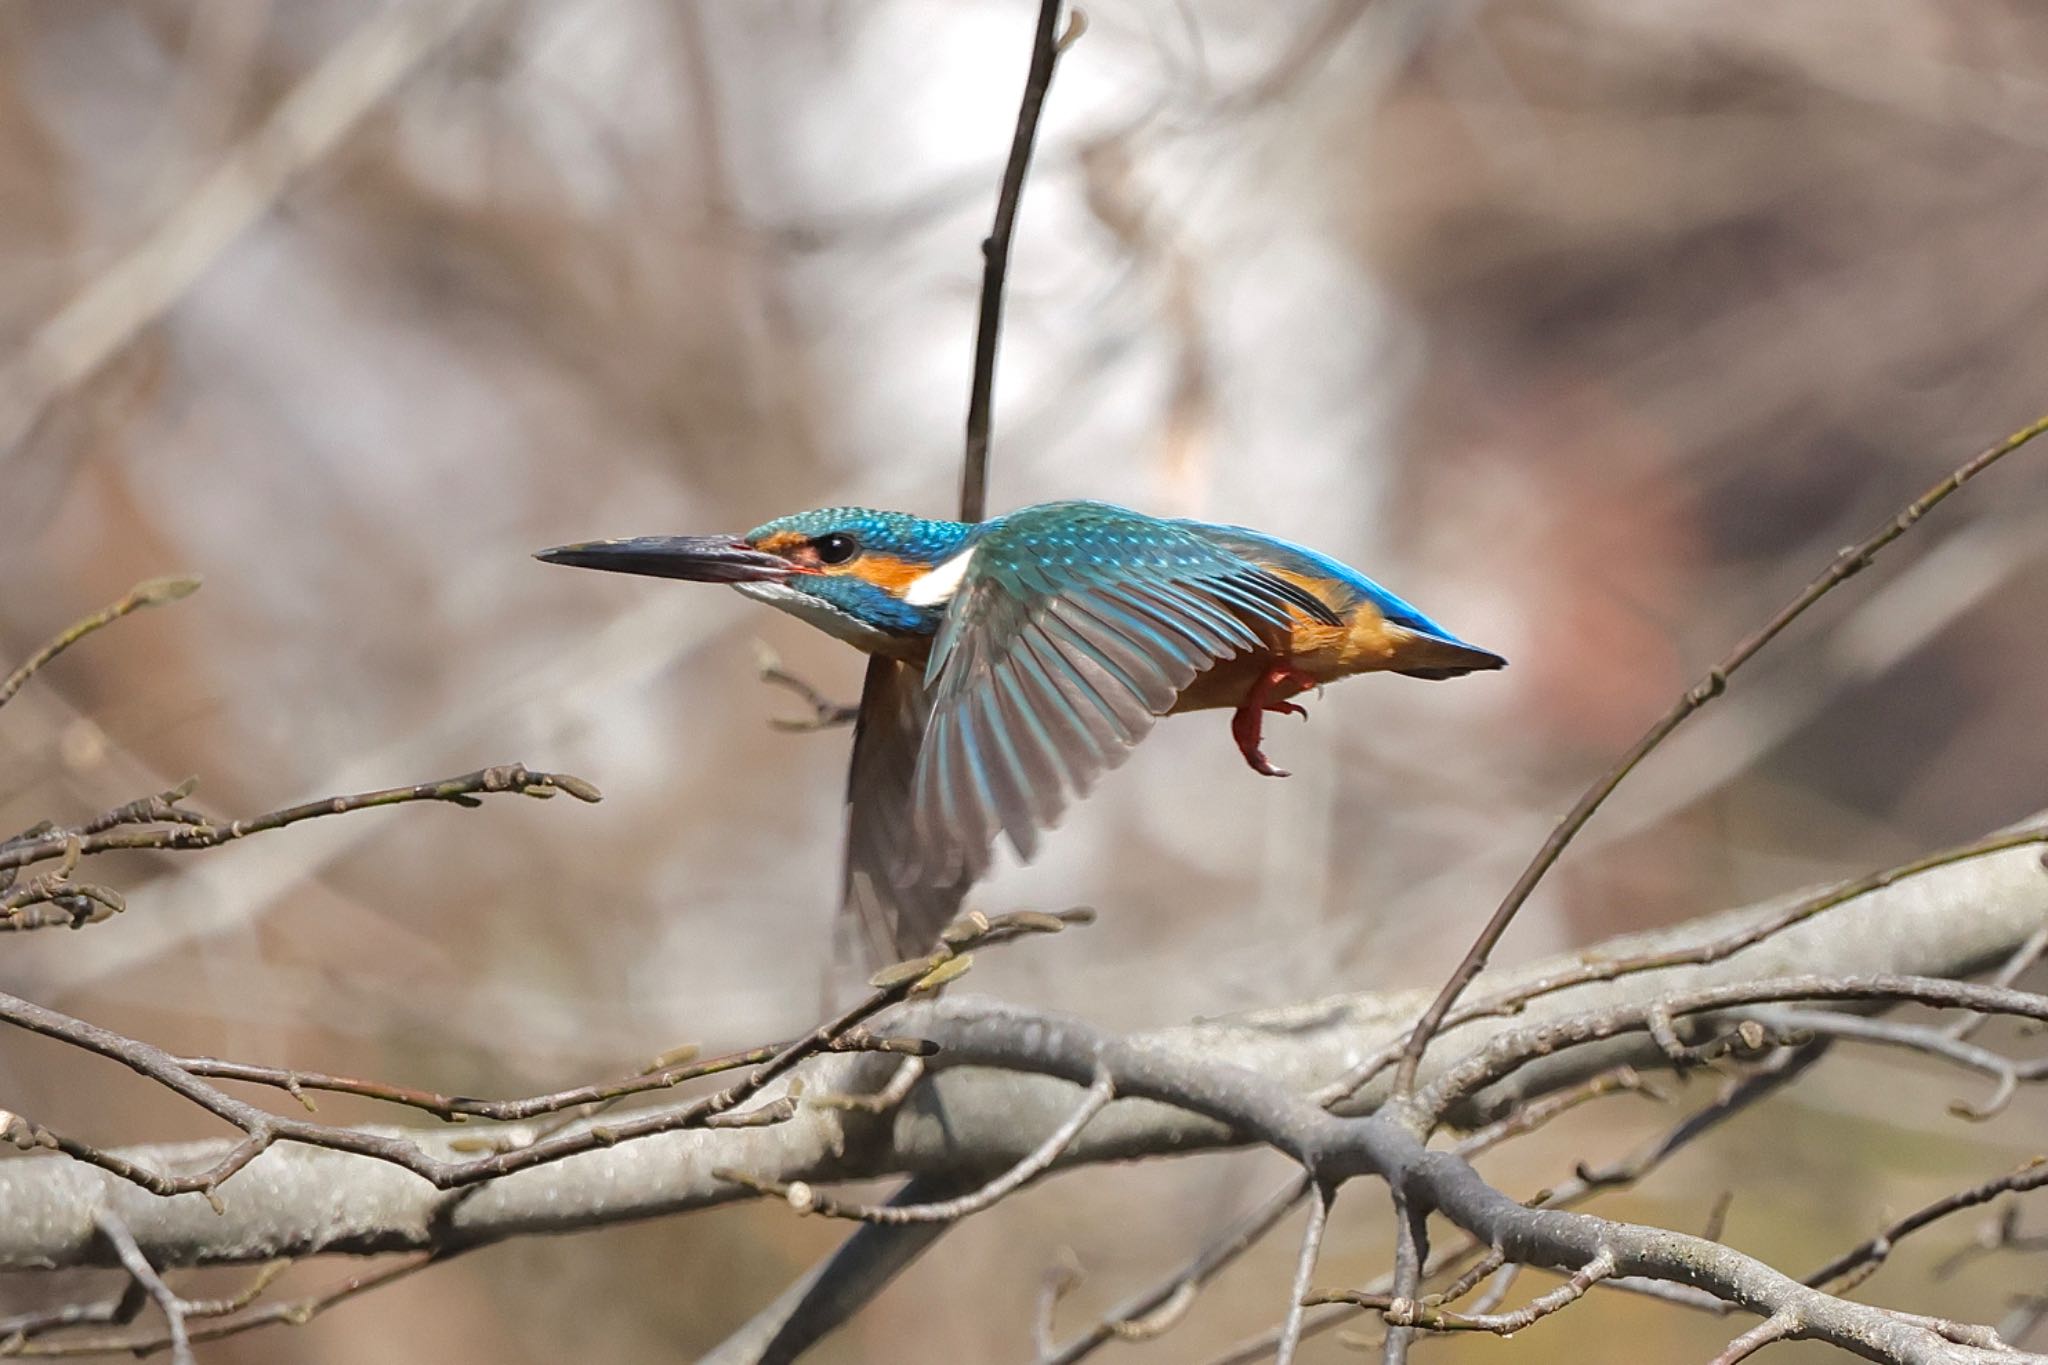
(1075, 625)
(1259, 546)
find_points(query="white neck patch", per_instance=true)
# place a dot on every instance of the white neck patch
(818, 612)
(939, 585)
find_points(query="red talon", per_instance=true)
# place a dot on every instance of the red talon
(1247, 724)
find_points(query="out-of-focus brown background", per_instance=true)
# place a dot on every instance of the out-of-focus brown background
(1594, 326)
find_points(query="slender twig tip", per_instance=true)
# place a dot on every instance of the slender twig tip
(578, 788)
(158, 591)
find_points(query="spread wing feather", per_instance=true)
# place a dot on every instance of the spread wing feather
(1074, 627)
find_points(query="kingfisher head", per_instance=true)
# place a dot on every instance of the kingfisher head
(874, 579)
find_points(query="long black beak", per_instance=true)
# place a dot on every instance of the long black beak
(701, 559)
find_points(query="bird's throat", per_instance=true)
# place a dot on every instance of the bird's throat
(816, 611)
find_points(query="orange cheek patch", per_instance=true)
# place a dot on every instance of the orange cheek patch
(891, 574)
(782, 542)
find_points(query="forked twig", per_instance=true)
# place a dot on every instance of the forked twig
(1598, 969)
(456, 1108)
(1158, 1307)
(182, 835)
(233, 1319)
(2031, 1175)
(1513, 1049)
(1846, 565)
(1407, 1312)
(2006, 1074)
(1154, 1309)
(721, 1109)
(145, 1274)
(825, 714)
(804, 1199)
(1304, 1271)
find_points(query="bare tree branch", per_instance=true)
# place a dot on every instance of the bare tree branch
(896, 1212)
(1046, 46)
(1767, 1079)
(1550, 1037)
(293, 1200)
(1515, 1048)
(507, 1151)
(1407, 1312)
(666, 1074)
(1304, 1271)
(144, 1274)
(1158, 1307)
(154, 593)
(1411, 1256)
(2007, 1074)
(1846, 565)
(1755, 1339)
(2032, 1175)
(290, 1312)
(1608, 968)
(181, 833)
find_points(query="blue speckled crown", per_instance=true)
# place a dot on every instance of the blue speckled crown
(889, 533)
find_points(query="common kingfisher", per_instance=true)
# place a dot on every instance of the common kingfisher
(1013, 661)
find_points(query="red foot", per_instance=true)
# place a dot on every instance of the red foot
(1269, 693)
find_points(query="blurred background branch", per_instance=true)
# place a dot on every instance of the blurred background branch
(135, 290)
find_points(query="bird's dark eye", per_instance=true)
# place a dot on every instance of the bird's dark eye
(836, 548)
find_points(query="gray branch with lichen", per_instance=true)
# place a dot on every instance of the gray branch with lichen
(1950, 921)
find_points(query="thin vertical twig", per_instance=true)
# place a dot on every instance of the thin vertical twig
(1305, 1271)
(1411, 1257)
(1046, 46)
(1851, 561)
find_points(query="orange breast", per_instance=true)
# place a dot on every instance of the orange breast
(1362, 644)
